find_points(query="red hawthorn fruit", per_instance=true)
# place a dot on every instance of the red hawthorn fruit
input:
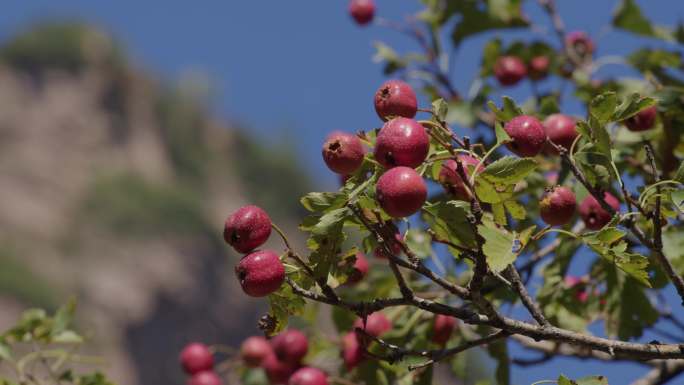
(451, 179)
(247, 228)
(580, 42)
(509, 70)
(278, 372)
(254, 350)
(539, 67)
(527, 134)
(401, 192)
(205, 378)
(643, 120)
(290, 346)
(593, 215)
(308, 376)
(395, 247)
(362, 11)
(359, 270)
(557, 206)
(376, 325)
(260, 273)
(442, 328)
(578, 284)
(402, 142)
(196, 357)
(352, 352)
(343, 152)
(560, 129)
(395, 98)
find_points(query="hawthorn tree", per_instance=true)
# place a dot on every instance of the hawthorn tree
(484, 260)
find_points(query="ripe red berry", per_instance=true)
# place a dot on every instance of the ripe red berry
(308, 376)
(643, 120)
(527, 134)
(557, 206)
(451, 179)
(376, 325)
(578, 285)
(442, 328)
(196, 357)
(580, 42)
(362, 11)
(395, 98)
(509, 70)
(254, 350)
(278, 372)
(247, 228)
(359, 270)
(539, 67)
(290, 346)
(260, 273)
(379, 251)
(593, 215)
(561, 130)
(343, 152)
(352, 352)
(205, 378)
(401, 192)
(402, 142)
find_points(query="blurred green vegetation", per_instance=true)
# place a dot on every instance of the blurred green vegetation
(59, 45)
(17, 280)
(128, 205)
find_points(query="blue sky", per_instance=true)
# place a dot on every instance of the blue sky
(302, 68)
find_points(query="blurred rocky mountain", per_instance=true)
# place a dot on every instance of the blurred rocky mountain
(113, 188)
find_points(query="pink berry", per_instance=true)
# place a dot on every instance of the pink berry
(308, 376)
(580, 42)
(342, 152)
(376, 325)
(451, 179)
(643, 120)
(395, 98)
(260, 273)
(247, 228)
(509, 70)
(402, 142)
(539, 67)
(593, 215)
(278, 372)
(352, 352)
(362, 11)
(254, 350)
(290, 346)
(401, 192)
(359, 270)
(557, 206)
(442, 328)
(561, 130)
(205, 378)
(196, 357)
(395, 247)
(527, 134)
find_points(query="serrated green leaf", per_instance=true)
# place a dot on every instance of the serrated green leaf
(330, 219)
(508, 170)
(509, 110)
(321, 201)
(602, 107)
(501, 134)
(283, 304)
(440, 108)
(451, 220)
(631, 106)
(499, 246)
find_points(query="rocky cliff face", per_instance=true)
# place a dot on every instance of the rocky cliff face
(113, 188)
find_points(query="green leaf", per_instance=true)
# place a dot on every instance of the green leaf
(440, 108)
(631, 106)
(498, 14)
(322, 201)
(329, 220)
(450, 220)
(562, 380)
(628, 309)
(630, 18)
(67, 337)
(499, 246)
(283, 304)
(679, 175)
(509, 110)
(490, 53)
(591, 380)
(501, 134)
(5, 351)
(499, 351)
(603, 106)
(508, 170)
(63, 317)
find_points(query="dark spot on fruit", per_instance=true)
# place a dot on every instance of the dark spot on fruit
(335, 146)
(242, 274)
(389, 158)
(234, 237)
(385, 93)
